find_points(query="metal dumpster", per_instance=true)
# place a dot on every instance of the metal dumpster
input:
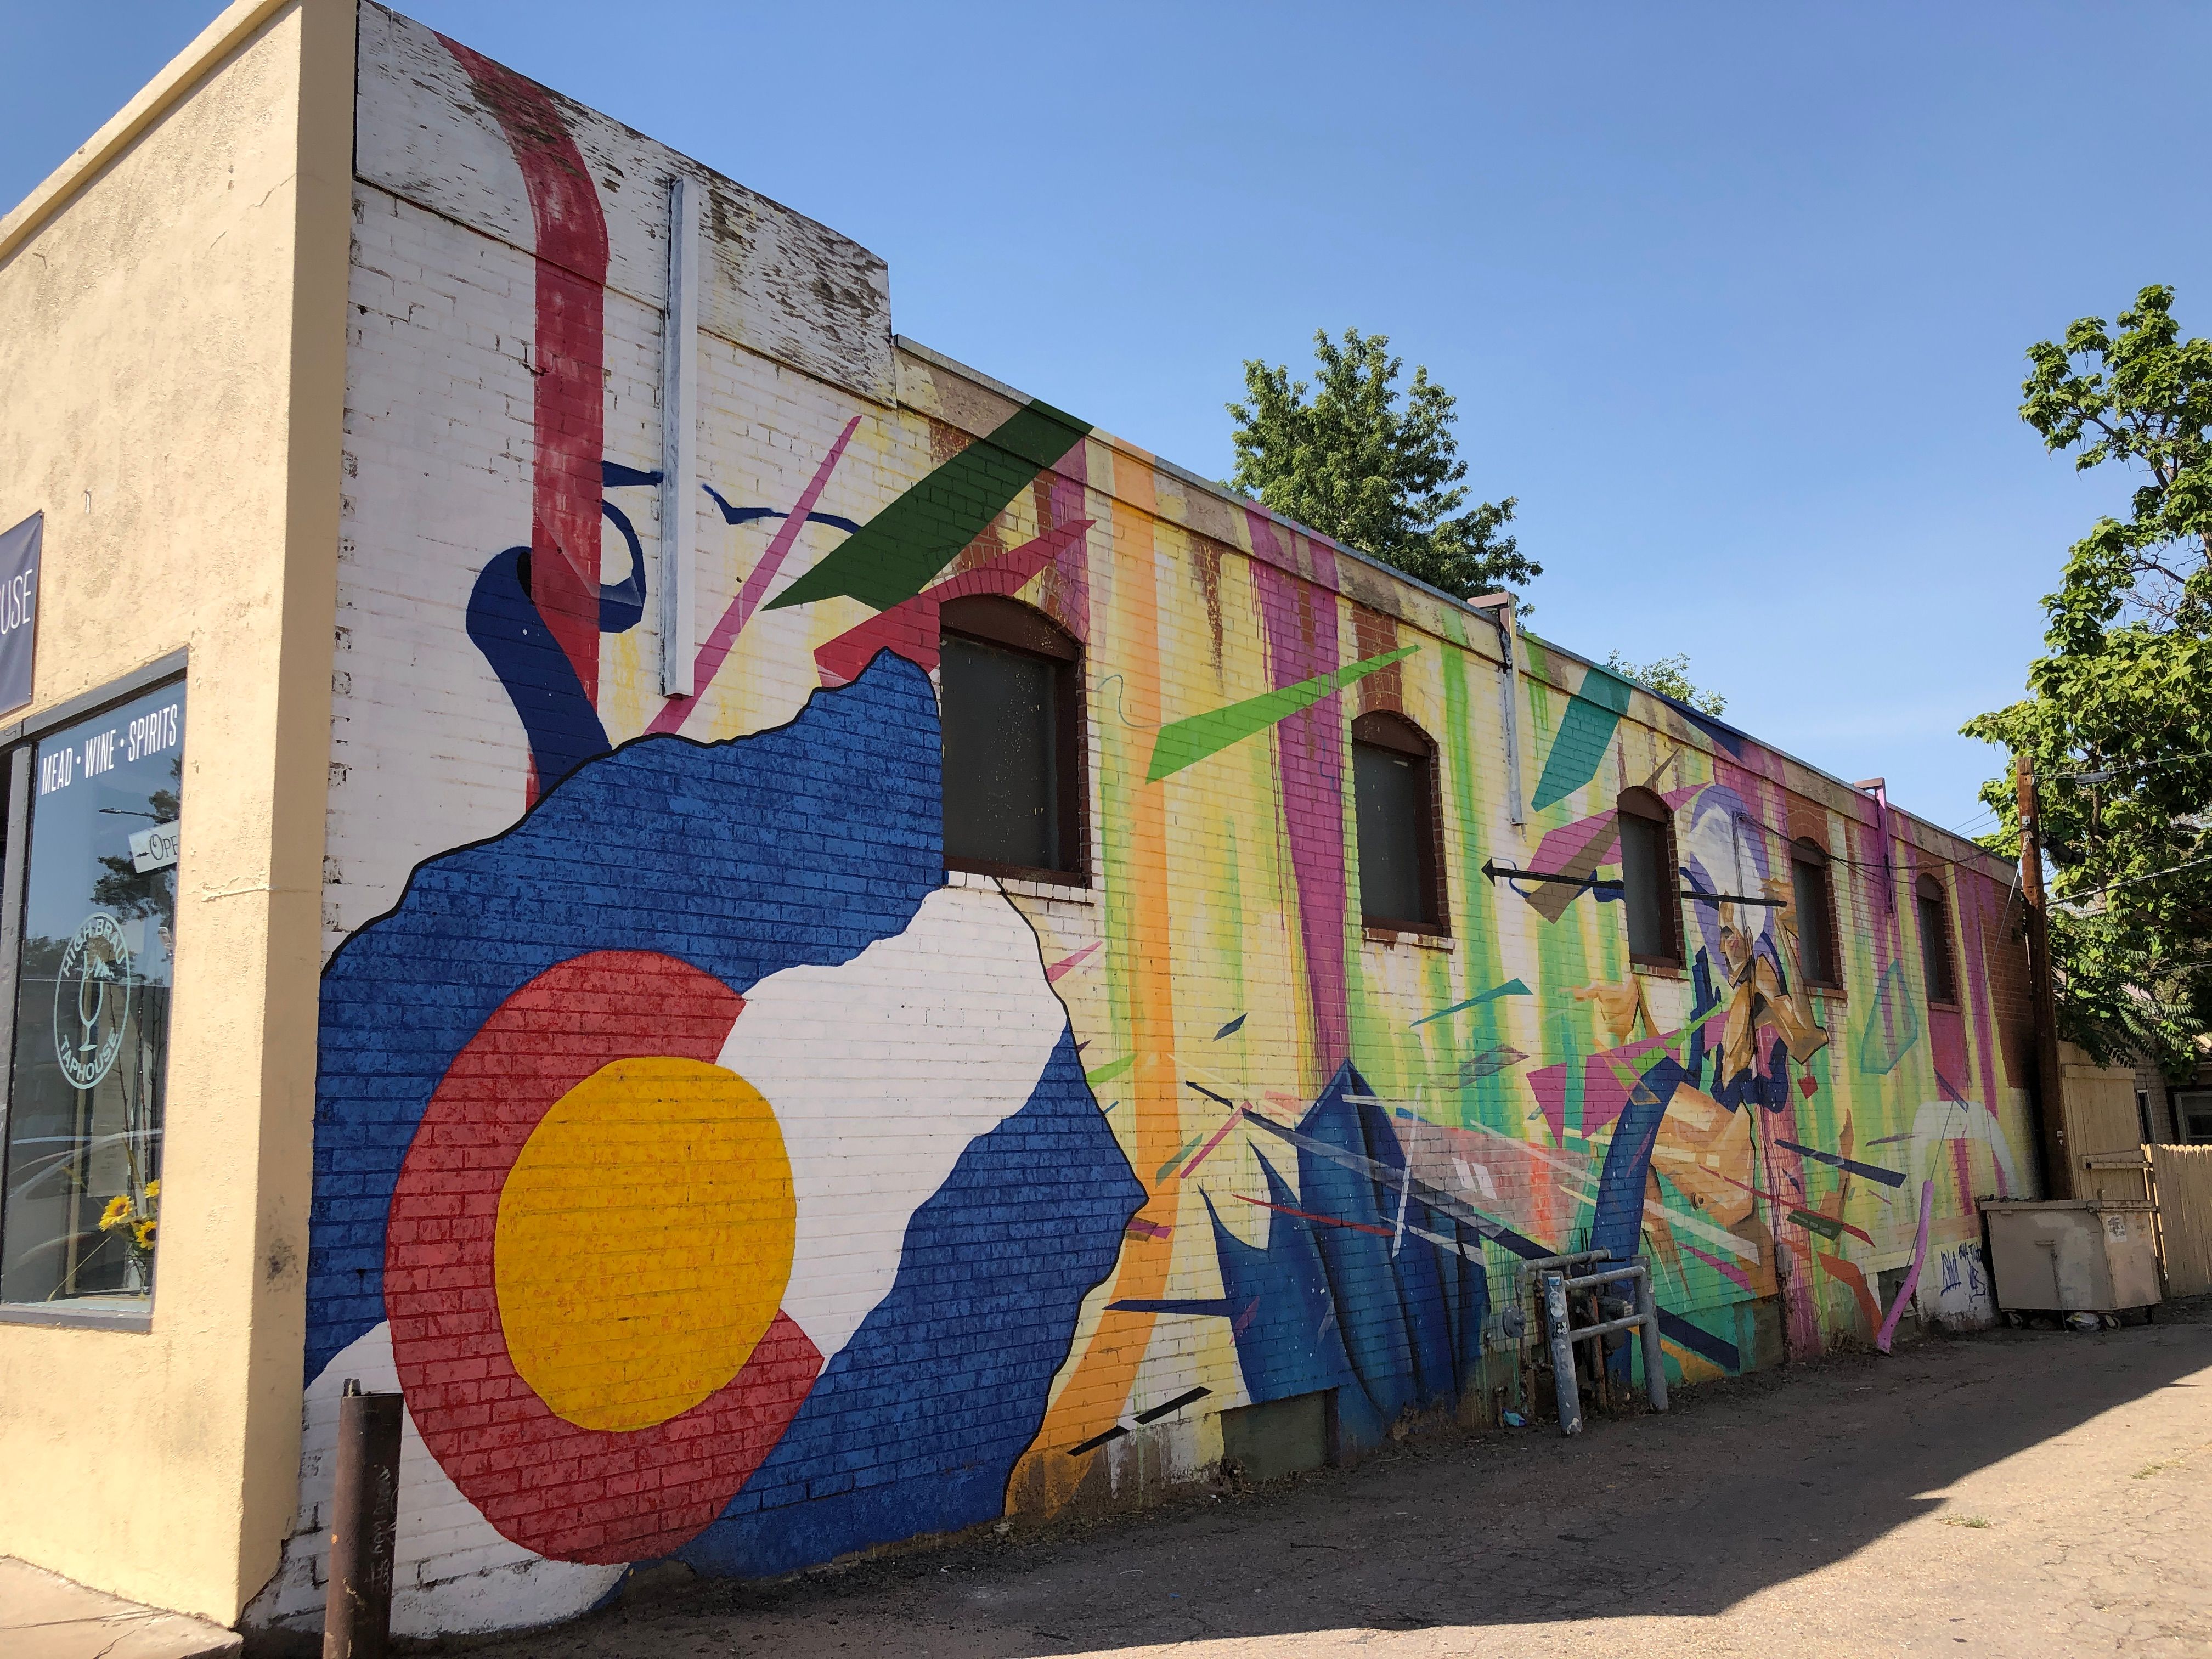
(2074, 1256)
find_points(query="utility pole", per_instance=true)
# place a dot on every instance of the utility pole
(2058, 1164)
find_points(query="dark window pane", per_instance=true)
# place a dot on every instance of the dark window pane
(1934, 951)
(1816, 946)
(92, 1008)
(1001, 756)
(1645, 878)
(1392, 793)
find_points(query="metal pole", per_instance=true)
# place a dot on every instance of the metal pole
(2058, 1167)
(1654, 1359)
(1562, 1354)
(365, 1513)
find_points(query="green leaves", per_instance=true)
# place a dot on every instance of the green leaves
(2118, 721)
(1669, 676)
(1376, 473)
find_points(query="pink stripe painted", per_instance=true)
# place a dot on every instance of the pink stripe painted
(717, 648)
(1071, 562)
(1220, 1135)
(1068, 965)
(1727, 1268)
(1912, 1273)
(1299, 621)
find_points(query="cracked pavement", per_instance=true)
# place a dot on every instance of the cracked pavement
(2043, 1493)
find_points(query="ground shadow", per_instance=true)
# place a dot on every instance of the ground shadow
(1747, 1485)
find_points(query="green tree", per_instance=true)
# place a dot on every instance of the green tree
(1670, 677)
(1376, 472)
(2117, 721)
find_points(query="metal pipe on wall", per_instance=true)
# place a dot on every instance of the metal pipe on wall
(364, 1526)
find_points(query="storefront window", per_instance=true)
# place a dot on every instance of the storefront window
(81, 1221)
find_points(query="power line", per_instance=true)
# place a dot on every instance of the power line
(2072, 899)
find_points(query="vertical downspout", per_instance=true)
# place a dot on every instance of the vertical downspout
(679, 441)
(1501, 608)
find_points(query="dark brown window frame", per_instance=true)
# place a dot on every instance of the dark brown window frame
(1383, 729)
(993, 619)
(1806, 851)
(1643, 803)
(1926, 891)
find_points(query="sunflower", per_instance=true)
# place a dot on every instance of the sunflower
(117, 1212)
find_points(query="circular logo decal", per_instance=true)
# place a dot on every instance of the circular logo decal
(92, 999)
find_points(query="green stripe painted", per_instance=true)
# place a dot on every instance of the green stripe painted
(892, 558)
(1109, 1071)
(1186, 742)
(1592, 712)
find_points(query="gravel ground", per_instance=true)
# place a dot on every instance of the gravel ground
(2032, 1493)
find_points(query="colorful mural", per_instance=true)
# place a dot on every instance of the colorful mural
(718, 1176)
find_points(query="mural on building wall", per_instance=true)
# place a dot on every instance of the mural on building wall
(718, 1178)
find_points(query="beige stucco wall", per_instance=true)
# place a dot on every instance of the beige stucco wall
(171, 397)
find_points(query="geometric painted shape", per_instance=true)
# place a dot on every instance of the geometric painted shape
(911, 629)
(562, 1489)
(1186, 741)
(1580, 747)
(644, 1241)
(916, 1423)
(1573, 850)
(1893, 1023)
(798, 845)
(893, 556)
(882, 1070)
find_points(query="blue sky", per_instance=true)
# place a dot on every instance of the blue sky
(1733, 298)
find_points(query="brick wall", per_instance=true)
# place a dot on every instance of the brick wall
(1060, 1170)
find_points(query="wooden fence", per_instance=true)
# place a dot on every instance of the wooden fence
(2184, 1174)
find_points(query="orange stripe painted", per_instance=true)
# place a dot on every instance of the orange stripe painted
(1098, 1390)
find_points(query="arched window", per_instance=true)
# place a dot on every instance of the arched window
(1011, 690)
(1394, 776)
(1816, 913)
(1933, 907)
(1651, 887)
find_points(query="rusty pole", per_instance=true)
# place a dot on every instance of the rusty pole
(364, 1520)
(2058, 1165)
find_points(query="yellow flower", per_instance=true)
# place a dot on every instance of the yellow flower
(117, 1212)
(154, 1187)
(143, 1232)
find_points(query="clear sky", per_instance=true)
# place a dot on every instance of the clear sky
(1733, 298)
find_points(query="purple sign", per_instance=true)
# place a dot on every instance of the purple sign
(19, 596)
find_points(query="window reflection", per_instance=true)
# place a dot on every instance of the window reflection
(82, 1217)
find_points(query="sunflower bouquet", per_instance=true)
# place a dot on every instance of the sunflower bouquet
(136, 1221)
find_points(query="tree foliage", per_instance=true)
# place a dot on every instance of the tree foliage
(1377, 472)
(2117, 721)
(1669, 676)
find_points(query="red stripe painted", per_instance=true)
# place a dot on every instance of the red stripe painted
(569, 418)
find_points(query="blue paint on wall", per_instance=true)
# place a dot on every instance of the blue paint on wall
(1384, 1298)
(799, 846)
(916, 1425)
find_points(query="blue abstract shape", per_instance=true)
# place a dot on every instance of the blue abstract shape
(803, 845)
(748, 514)
(559, 721)
(916, 1425)
(1288, 1342)
(1362, 1286)
(1617, 1224)
(621, 604)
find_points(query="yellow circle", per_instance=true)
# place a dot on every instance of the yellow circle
(644, 1241)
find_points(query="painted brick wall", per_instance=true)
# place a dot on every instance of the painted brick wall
(721, 1177)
